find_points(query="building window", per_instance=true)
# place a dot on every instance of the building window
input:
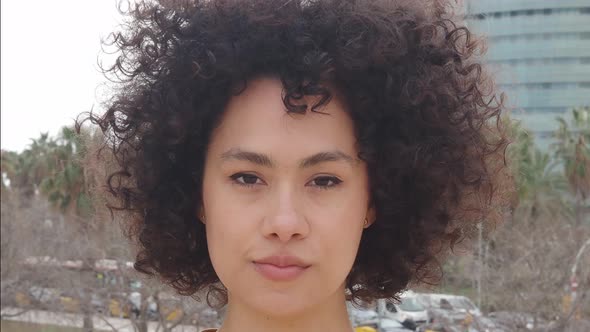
(544, 134)
(543, 36)
(569, 10)
(544, 61)
(530, 12)
(563, 61)
(555, 110)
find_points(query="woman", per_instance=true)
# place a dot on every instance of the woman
(285, 156)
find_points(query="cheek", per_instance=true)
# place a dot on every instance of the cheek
(340, 237)
(227, 240)
(225, 228)
(342, 227)
(343, 235)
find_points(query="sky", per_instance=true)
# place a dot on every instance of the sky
(49, 70)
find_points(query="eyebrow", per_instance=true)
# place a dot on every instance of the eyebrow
(264, 160)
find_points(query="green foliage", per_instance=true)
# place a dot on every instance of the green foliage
(52, 168)
(9, 167)
(530, 252)
(548, 181)
(572, 149)
(27, 169)
(540, 188)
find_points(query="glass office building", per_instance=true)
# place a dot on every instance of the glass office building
(540, 51)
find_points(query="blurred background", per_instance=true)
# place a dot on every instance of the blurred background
(65, 266)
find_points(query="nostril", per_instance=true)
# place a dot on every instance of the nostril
(286, 236)
(285, 226)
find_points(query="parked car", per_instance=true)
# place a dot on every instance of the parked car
(408, 309)
(361, 316)
(485, 324)
(119, 305)
(445, 327)
(449, 309)
(447, 323)
(392, 325)
(365, 329)
(387, 325)
(22, 299)
(169, 307)
(517, 320)
(98, 303)
(448, 302)
(69, 302)
(44, 295)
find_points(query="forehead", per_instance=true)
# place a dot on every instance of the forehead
(257, 120)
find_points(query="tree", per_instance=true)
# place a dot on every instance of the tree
(573, 150)
(540, 189)
(66, 186)
(525, 262)
(26, 170)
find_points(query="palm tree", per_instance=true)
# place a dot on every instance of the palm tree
(66, 187)
(540, 188)
(8, 167)
(573, 151)
(26, 170)
(573, 154)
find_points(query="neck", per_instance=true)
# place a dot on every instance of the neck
(328, 316)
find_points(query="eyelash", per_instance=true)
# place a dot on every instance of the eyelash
(335, 181)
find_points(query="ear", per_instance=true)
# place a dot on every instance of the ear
(371, 215)
(201, 214)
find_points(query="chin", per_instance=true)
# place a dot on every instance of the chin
(281, 305)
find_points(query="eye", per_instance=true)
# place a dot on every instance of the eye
(245, 179)
(326, 182)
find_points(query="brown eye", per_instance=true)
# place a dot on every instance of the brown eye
(245, 179)
(326, 182)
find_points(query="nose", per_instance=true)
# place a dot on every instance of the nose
(285, 221)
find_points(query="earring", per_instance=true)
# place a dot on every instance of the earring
(366, 223)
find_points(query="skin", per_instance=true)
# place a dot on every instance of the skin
(255, 207)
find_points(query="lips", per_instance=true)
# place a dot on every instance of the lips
(280, 268)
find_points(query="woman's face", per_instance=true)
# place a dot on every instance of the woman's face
(284, 200)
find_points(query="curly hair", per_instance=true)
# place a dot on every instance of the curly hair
(426, 114)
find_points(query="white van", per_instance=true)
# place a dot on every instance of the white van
(408, 308)
(449, 302)
(361, 316)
